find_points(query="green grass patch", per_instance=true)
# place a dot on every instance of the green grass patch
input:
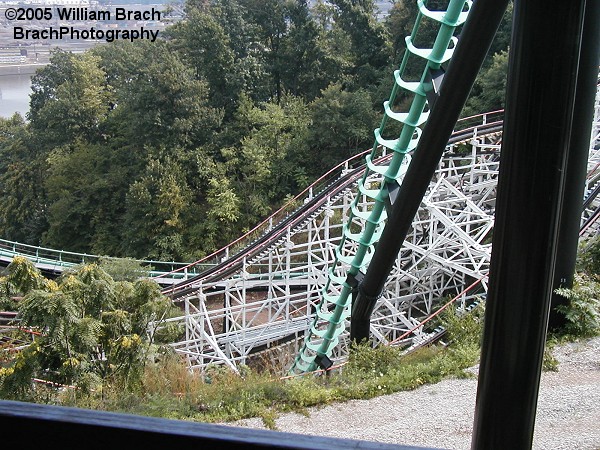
(219, 395)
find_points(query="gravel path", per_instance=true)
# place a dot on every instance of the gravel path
(441, 415)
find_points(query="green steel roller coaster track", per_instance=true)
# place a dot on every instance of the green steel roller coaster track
(355, 249)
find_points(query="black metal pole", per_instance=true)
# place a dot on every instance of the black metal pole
(568, 235)
(538, 120)
(474, 43)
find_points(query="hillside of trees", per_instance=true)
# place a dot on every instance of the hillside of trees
(169, 150)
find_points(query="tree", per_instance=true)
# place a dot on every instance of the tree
(343, 124)
(165, 104)
(270, 162)
(400, 23)
(157, 98)
(250, 58)
(270, 17)
(337, 59)
(489, 90)
(303, 60)
(131, 143)
(501, 41)
(22, 171)
(203, 42)
(70, 98)
(221, 212)
(86, 185)
(371, 51)
(93, 329)
(155, 202)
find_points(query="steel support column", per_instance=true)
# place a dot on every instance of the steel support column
(538, 125)
(568, 237)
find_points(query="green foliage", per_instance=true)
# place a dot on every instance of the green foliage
(168, 150)
(489, 90)
(371, 50)
(123, 269)
(205, 43)
(166, 104)
(92, 329)
(169, 390)
(582, 312)
(503, 35)
(130, 143)
(70, 98)
(16, 378)
(22, 209)
(464, 328)
(588, 257)
(400, 23)
(366, 361)
(549, 362)
(23, 277)
(266, 164)
(85, 202)
(155, 204)
(342, 125)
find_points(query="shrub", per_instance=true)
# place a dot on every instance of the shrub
(463, 327)
(588, 257)
(582, 312)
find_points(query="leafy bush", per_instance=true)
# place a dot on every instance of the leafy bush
(366, 361)
(92, 329)
(588, 257)
(582, 312)
(550, 363)
(462, 327)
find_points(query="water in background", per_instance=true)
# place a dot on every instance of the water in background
(14, 94)
(15, 89)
